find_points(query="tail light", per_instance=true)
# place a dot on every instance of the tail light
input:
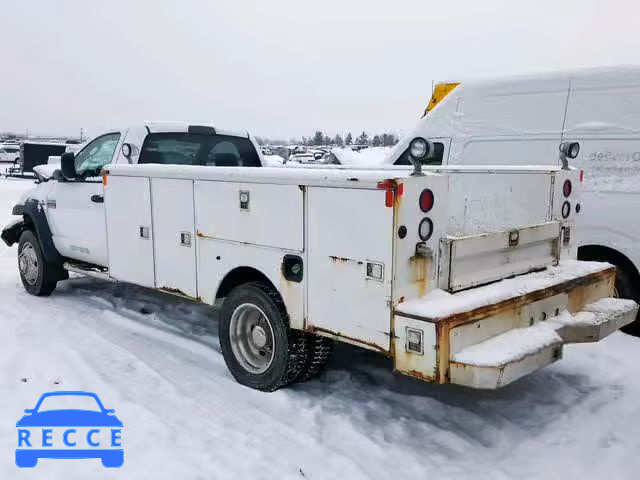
(567, 188)
(426, 200)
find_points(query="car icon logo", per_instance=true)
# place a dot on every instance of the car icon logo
(69, 425)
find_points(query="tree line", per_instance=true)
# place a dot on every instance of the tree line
(320, 138)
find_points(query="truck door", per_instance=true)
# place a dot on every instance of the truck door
(75, 209)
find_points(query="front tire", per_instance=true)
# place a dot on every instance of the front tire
(259, 348)
(36, 273)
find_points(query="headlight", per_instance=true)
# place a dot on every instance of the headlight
(419, 148)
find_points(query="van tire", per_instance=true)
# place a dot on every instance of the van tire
(626, 288)
(319, 354)
(274, 357)
(39, 277)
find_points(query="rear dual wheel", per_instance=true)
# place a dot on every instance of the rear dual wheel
(259, 348)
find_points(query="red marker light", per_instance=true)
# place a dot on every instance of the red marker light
(567, 188)
(426, 200)
(392, 190)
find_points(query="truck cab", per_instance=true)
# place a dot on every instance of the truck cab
(74, 195)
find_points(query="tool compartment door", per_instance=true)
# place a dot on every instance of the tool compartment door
(347, 229)
(174, 235)
(129, 231)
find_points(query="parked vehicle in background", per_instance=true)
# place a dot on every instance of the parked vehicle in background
(9, 152)
(318, 154)
(523, 120)
(303, 158)
(34, 153)
(357, 148)
(383, 259)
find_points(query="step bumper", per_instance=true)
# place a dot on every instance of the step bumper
(436, 335)
(505, 358)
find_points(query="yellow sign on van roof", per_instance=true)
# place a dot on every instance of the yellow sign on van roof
(440, 91)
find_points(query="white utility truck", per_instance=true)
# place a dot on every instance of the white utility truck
(466, 276)
(521, 120)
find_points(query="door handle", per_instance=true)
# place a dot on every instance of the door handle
(97, 198)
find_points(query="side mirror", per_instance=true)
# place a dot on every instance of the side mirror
(68, 165)
(28, 410)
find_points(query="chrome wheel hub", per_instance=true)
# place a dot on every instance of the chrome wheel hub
(251, 338)
(259, 336)
(28, 263)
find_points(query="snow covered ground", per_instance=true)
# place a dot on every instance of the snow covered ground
(156, 361)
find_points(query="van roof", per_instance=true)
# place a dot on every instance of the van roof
(610, 76)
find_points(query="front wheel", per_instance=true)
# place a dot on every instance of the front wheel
(259, 348)
(36, 273)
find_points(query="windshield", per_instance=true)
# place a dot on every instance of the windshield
(69, 402)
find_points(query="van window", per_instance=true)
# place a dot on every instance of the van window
(436, 158)
(198, 149)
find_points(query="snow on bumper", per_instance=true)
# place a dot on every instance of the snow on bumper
(489, 336)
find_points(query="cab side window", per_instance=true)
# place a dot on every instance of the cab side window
(436, 158)
(171, 149)
(229, 151)
(90, 160)
(198, 149)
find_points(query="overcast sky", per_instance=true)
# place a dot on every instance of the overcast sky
(281, 68)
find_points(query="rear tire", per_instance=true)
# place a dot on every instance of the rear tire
(259, 348)
(37, 274)
(318, 355)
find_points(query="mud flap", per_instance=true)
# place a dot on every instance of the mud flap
(11, 233)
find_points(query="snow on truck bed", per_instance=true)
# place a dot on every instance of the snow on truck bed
(156, 361)
(439, 304)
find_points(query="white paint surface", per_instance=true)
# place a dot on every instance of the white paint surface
(185, 417)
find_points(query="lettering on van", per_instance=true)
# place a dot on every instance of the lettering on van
(609, 156)
(610, 170)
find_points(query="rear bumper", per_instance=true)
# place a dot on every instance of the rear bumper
(490, 336)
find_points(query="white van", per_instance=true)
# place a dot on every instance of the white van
(9, 152)
(523, 120)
